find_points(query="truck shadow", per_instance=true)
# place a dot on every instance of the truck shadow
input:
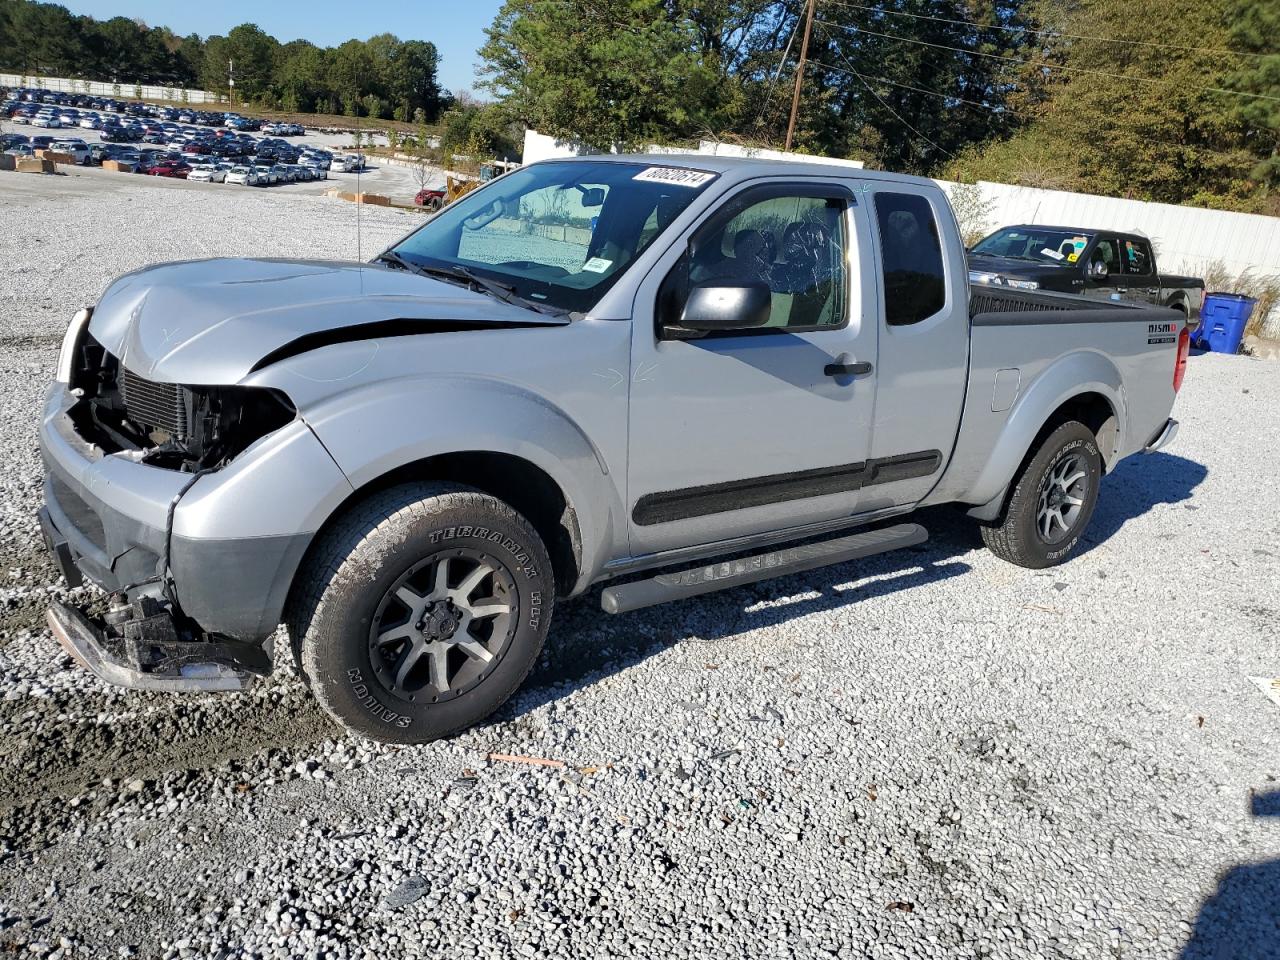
(588, 645)
(1241, 920)
(1139, 484)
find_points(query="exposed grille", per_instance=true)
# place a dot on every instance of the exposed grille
(984, 302)
(159, 406)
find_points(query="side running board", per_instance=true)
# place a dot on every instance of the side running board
(666, 587)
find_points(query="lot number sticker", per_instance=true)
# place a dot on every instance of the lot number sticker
(674, 176)
(597, 265)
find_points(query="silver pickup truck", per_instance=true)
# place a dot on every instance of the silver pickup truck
(670, 375)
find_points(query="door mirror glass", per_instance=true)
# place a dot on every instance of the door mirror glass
(1098, 270)
(727, 305)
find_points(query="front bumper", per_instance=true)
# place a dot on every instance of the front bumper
(234, 538)
(145, 661)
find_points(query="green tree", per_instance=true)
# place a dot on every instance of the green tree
(1254, 29)
(606, 72)
(1136, 114)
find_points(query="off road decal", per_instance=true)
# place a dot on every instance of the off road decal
(372, 703)
(1161, 333)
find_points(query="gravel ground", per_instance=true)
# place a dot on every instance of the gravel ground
(928, 754)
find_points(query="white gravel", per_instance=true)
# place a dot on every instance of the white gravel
(929, 754)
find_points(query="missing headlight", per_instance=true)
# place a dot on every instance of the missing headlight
(179, 427)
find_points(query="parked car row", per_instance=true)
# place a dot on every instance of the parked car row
(198, 146)
(24, 104)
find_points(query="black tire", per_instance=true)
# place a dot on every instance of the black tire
(351, 596)
(1020, 537)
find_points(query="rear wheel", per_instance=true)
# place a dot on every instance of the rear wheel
(421, 612)
(1052, 501)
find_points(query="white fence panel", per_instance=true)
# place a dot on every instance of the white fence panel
(101, 88)
(1187, 239)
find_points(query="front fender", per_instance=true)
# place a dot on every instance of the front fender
(376, 428)
(1074, 374)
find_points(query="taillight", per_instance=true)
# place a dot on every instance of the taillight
(1180, 367)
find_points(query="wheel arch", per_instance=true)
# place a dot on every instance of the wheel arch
(518, 482)
(1085, 387)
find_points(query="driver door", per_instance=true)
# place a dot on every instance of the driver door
(740, 432)
(1106, 250)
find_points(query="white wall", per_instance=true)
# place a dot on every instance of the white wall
(539, 146)
(98, 88)
(1186, 239)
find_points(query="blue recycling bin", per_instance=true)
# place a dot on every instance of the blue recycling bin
(1222, 321)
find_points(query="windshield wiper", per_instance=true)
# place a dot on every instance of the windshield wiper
(467, 278)
(391, 256)
(505, 292)
(502, 291)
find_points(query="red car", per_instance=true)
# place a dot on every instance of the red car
(431, 199)
(170, 168)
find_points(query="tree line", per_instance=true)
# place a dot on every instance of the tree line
(383, 77)
(1169, 100)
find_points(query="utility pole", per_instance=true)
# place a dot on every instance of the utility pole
(804, 53)
(231, 85)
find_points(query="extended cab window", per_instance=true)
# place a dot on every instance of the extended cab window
(792, 240)
(1137, 257)
(910, 258)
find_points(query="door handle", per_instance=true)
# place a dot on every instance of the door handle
(845, 366)
(1122, 289)
(1154, 291)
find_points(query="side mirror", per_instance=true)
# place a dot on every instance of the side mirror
(726, 305)
(1098, 270)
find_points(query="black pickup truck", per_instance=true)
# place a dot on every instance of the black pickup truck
(1104, 264)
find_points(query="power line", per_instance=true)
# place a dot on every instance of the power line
(994, 109)
(899, 116)
(1051, 66)
(1048, 33)
(777, 73)
(907, 86)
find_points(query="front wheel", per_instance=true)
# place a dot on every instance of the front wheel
(1052, 501)
(421, 611)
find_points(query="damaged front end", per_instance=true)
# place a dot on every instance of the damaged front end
(140, 645)
(144, 639)
(186, 428)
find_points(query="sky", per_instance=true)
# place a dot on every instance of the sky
(456, 28)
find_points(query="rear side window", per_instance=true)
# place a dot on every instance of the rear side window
(910, 258)
(1137, 257)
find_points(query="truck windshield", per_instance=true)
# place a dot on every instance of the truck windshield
(557, 235)
(1042, 244)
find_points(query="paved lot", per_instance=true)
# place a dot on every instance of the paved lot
(930, 754)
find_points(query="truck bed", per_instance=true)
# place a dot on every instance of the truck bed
(1030, 351)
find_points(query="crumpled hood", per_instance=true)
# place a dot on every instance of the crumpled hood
(211, 321)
